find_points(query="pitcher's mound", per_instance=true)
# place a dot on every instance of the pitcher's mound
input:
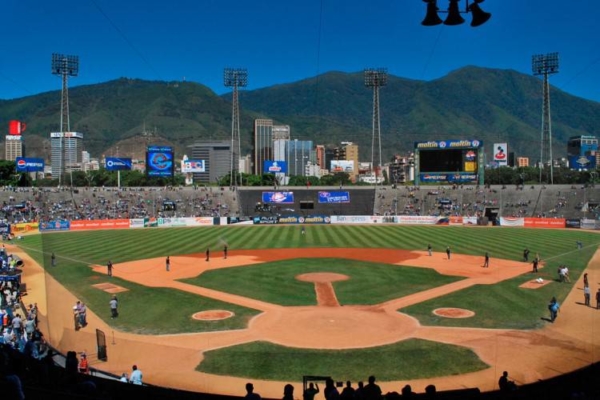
(212, 315)
(322, 277)
(453, 312)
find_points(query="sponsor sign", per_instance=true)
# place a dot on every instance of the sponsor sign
(449, 144)
(459, 177)
(582, 162)
(97, 224)
(342, 166)
(4, 228)
(311, 219)
(58, 225)
(29, 164)
(501, 154)
(573, 223)
(193, 166)
(355, 219)
(150, 222)
(590, 224)
(10, 138)
(512, 221)
(469, 220)
(159, 163)
(334, 197)
(417, 219)
(278, 197)
(136, 223)
(16, 128)
(118, 164)
(55, 135)
(269, 220)
(456, 220)
(274, 167)
(25, 227)
(544, 222)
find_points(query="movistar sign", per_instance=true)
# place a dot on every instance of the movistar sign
(118, 164)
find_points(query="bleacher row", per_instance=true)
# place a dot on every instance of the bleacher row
(46, 204)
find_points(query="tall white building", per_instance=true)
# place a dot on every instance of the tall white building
(71, 155)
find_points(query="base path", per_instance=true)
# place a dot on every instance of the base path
(170, 360)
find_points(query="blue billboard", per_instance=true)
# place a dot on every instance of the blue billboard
(29, 164)
(582, 162)
(58, 225)
(118, 164)
(273, 167)
(160, 161)
(278, 197)
(334, 197)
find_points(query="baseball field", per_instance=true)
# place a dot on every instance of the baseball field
(339, 301)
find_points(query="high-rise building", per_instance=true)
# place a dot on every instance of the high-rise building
(217, 160)
(269, 143)
(13, 147)
(582, 152)
(320, 156)
(72, 155)
(298, 154)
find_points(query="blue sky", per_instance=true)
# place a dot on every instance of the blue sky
(282, 41)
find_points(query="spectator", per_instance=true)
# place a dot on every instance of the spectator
(250, 395)
(136, 376)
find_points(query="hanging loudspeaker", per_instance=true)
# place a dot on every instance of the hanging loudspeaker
(431, 18)
(454, 17)
(480, 17)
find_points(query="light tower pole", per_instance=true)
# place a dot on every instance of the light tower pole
(64, 66)
(235, 78)
(376, 78)
(546, 64)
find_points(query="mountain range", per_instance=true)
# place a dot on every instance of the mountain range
(122, 116)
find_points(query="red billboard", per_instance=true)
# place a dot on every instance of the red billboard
(99, 224)
(545, 222)
(16, 128)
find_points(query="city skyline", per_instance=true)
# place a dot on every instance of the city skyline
(286, 42)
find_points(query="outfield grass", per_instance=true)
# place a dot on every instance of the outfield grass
(405, 360)
(275, 282)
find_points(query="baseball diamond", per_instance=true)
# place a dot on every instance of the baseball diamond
(344, 301)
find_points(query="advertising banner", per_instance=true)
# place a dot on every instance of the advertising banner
(159, 161)
(97, 224)
(274, 167)
(310, 219)
(269, 220)
(501, 154)
(136, 223)
(4, 228)
(29, 164)
(278, 197)
(417, 220)
(590, 224)
(58, 225)
(342, 166)
(582, 162)
(24, 228)
(469, 220)
(118, 164)
(573, 223)
(150, 222)
(544, 222)
(512, 221)
(460, 177)
(334, 197)
(355, 219)
(193, 166)
(16, 128)
(456, 220)
(449, 144)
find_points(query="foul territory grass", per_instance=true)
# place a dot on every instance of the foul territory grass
(276, 282)
(405, 360)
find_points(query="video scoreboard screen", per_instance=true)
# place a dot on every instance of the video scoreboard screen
(160, 161)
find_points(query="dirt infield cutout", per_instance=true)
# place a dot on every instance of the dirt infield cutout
(110, 288)
(212, 315)
(535, 284)
(453, 313)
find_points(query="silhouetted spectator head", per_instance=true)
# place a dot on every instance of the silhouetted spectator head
(249, 387)
(431, 391)
(288, 392)
(372, 379)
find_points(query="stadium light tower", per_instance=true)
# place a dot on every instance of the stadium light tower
(376, 78)
(64, 66)
(546, 64)
(235, 78)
